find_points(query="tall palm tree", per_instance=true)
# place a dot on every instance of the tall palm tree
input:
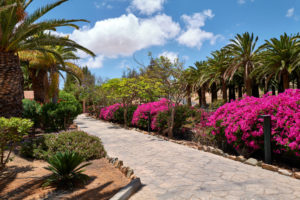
(281, 58)
(218, 64)
(243, 51)
(17, 33)
(199, 85)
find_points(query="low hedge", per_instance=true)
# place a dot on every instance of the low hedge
(90, 147)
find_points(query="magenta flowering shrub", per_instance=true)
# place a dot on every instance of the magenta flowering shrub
(140, 118)
(107, 113)
(239, 124)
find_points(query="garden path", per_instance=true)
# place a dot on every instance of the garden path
(172, 171)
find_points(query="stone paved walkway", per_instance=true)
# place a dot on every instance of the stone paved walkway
(173, 171)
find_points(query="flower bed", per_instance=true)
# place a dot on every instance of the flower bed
(140, 117)
(107, 113)
(239, 123)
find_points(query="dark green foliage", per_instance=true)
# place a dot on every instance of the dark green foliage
(66, 170)
(182, 113)
(89, 147)
(119, 115)
(59, 116)
(32, 111)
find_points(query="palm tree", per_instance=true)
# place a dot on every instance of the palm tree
(199, 85)
(281, 58)
(218, 64)
(17, 33)
(60, 59)
(243, 51)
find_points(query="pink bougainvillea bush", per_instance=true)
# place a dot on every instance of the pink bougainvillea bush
(107, 113)
(240, 124)
(140, 117)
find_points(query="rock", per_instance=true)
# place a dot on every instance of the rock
(124, 170)
(259, 163)
(232, 157)
(114, 160)
(133, 177)
(241, 158)
(269, 167)
(297, 175)
(205, 148)
(218, 152)
(210, 149)
(118, 164)
(200, 148)
(251, 161)
(285, 172)
(129, 173)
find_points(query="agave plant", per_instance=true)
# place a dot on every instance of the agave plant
(67, 169)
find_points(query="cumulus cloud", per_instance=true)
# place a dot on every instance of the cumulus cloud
(96, 62)
(194, 36)
(241, 1)
(147, 7)
(127, 34)
(290, 12)
(169, 54)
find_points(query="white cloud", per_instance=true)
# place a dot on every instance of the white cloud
(194, 36)
(146, 7)
(290, 12)
(169, 54)
(241, 1)
(126, 34)
(96, 62)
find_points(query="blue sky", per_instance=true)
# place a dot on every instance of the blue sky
(121, 31)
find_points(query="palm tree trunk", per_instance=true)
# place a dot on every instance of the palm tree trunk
(298, 82)
(203, 96)
(11, 85)
(231, 92)
(240, 90)
(199, 92)
(54, 84)
(188, 91)
(285, 79)
(248, 83)
(214, 92)
(280, 86)
(273, 90)
(224, 91)
(255, 89)
(39, 84)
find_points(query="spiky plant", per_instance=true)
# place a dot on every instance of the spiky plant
(66, 170)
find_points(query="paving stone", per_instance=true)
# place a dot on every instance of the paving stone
(251, 161)
(185, 172)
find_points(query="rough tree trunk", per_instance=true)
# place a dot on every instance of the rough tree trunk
(171, 127)
(224, 91)
(255, 89)
(39, 84)
(231, 92)
(11, 85)
(240, 90)
(189, 91)
(203, 97)
(285, 79)
(273, 90)
(199, 97)
(214, 93)
(298, 82)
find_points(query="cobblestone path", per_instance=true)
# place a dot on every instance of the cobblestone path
(173, 171)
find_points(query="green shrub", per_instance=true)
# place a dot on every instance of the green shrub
(90, 147)
(32, 111)
(119, 115)
(66, 170)
(11, 132)
(59, 116)
(182, 113)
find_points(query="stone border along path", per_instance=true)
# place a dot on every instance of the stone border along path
(172, 171)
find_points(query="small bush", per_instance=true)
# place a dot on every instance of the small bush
(90, 147)
(66, 170)
(182, 113)
(107, 113)
(11, 132)
(32, 111)
(59, 116)
(119, 115)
